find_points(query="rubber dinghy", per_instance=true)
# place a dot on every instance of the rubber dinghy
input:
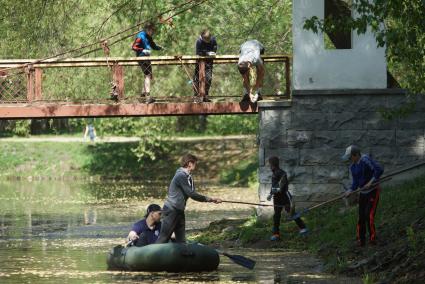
(171, 257)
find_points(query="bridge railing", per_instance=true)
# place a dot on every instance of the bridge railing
(95, 79)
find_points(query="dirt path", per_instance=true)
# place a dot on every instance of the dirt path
(119, 139)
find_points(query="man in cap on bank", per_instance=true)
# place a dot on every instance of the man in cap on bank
(365, 173)
(146, 231)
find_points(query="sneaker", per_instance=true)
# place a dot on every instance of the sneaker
(303, 232)
(245, 98)
(260, 97)
(143, 94)
(275, 237)
(150, 100)
(114, 98)
(206, 100)
(254, 98)
(197, 99)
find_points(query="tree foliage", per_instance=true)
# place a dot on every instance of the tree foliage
(47, 27)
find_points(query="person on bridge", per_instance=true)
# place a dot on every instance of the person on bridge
(146, 231)
(143, 46)
(282, 198)
(365, 173)
(249, 56)
(181, 188)
(206, 45)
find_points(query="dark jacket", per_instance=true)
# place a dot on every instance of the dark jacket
(181, 188)
(203, 47)
(146, 235)
(279, 188)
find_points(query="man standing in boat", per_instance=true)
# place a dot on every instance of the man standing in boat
(146, 231)
(181, 188)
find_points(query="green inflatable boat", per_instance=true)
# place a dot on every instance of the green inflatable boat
(171, 257)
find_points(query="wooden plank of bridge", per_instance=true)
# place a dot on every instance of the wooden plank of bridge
(56, 110)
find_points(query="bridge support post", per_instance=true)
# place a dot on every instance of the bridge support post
(202, 78)
(118, 77)
(38, 84)
(29, 70)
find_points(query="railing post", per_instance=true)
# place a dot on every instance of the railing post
(288, 76)
(202, 78)
(118, 77)
(29, 70)
(38, 84)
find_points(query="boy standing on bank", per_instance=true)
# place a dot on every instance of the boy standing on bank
(365, 173)
(282, 198)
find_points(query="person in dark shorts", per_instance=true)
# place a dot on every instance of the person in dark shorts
(282, 199)
(143, 46)
(181, 188)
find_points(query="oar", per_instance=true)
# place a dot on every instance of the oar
(238, 259)
(305, 210)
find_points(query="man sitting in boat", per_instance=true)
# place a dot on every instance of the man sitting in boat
(146, 231)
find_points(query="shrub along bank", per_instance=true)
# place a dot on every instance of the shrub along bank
(225, 161)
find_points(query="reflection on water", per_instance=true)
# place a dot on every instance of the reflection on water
(54, 232)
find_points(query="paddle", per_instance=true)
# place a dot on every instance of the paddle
(238, 259)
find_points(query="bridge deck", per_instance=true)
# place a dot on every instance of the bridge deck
(58, 110)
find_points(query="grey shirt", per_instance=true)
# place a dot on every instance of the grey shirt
(251, 51)
(181, 188)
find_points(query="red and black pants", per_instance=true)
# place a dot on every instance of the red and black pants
(367, 210)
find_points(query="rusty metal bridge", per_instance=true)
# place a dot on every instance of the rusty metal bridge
(51, 88)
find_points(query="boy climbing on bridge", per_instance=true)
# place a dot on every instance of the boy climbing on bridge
(143, 46)
(281, 199)
(249, 56)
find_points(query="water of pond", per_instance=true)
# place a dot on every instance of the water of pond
(53, 232)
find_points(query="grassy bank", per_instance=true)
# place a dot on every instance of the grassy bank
(397, 257)
(226, 161)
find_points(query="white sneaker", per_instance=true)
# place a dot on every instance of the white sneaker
(254, 98)
(303, 232)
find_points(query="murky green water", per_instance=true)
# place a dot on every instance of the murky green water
(55, 232)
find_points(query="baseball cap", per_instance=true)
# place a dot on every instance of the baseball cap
(351, 150)
(152, 208)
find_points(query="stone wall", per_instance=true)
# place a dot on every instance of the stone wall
(310, 133)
